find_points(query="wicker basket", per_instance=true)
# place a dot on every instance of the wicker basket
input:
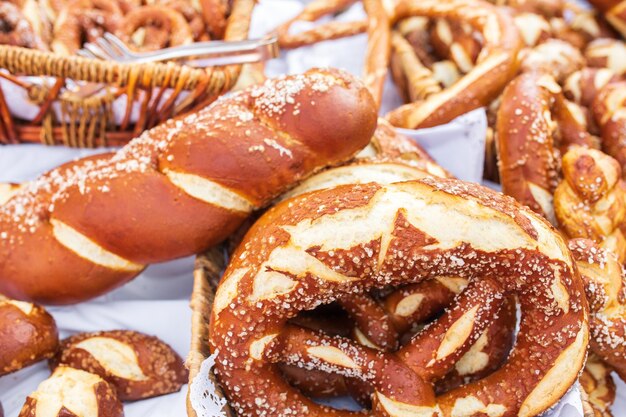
(87, 121)
(207, 274)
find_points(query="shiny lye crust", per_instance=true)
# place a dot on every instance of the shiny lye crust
(28, 334)
(136, 365)
(605, 288)
(534, 123)
(324, 245)
(495, 66)
(609, 110)
(70, 392)
(92, 225)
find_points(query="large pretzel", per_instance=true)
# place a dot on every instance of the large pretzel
(534, 121)
(321, 246)
(91, 225)
(496, 64)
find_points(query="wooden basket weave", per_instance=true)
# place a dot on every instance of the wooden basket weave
(88, 121)
(207, 273)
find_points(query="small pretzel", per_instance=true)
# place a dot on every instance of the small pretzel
(609, 110)
(296, 258)
(150, 28)
(604, 286)
(607, 53)
(495, 67)
(598, 384)
(591, 200)
(16, 30)
(533, 123)
(83, 20)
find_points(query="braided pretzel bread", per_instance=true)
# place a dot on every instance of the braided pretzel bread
(609, 110)
(316, 248)
(591, 201)
(533, 121)
(603, 276)
(598, 384)
(91, 225)
(476, 88)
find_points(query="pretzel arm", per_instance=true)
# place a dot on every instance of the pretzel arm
(433, 352)
(324, 32)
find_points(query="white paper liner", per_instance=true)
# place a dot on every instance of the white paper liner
(202, 394)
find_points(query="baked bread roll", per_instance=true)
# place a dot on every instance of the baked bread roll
(70, 392)
(28, 334)
(92, 225)
(136, 365)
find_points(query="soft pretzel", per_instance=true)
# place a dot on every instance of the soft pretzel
(591, 200)
(177, 189)
(583, 86)
(296, 257)
(598, 384)
(28, 334)
(83, 20)
(533, 122)
(154, 27)
(533, 28)
(496, 64)
(609, 110)
(215, 13)
(16, 29)
(607, 53)
(603, 276)
(136, 365)
(615, 13)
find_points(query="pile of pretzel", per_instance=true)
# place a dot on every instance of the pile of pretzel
(63, 26)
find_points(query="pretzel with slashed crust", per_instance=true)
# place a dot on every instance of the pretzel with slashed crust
(607, 53)
(609, 111)
(591, 200)
(179, 188)
(28, 334)
(72, 392)
(496, 64)
(316, 248)
(604, 282)
(534, 121)
(136, 365)
(457, 42)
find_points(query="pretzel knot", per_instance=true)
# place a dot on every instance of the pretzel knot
(591, 201)
(322, 246)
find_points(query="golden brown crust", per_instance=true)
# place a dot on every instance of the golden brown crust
(591, 201)
(609, 110)
(297, 257)
(73, 393)
(598, 384)
(152, 369)
(153, 27)
(496, 66)
(28, 334)
(95, 223)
